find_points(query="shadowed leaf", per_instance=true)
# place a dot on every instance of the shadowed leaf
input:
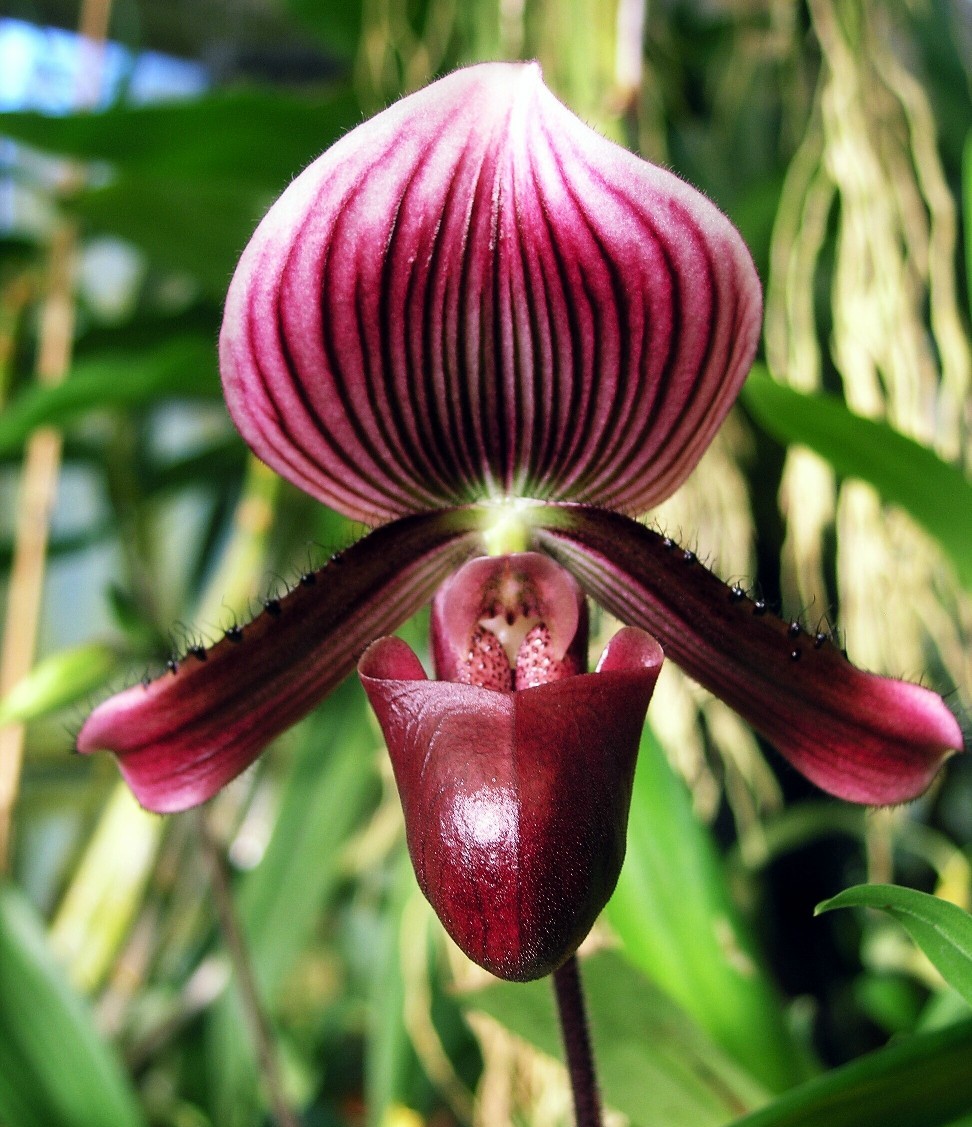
(942, 930)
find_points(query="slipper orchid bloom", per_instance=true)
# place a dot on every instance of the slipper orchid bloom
(482, 328)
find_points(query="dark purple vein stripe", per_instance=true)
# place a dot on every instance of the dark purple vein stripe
(862, 737)
(475, 295)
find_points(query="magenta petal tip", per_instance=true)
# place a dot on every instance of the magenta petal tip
(182, 737)
(858, 736)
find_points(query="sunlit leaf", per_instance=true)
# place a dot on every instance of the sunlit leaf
(655, 1064)
(919, 1081)
(97, 908)
(328, 789)
(941, 929)
(391, 1058)
(57, 681)
(935, 493)
(673, 913)
(967, 211)
(55, 1071)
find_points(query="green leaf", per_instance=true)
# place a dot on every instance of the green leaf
(337, 25)
(942, 930)
(935, 493)
(332, 783)
(674, 915)
(655, 1064)
(107, 886)
(280, 902)
(57, 681)
(184, 223)
(258, 136)
(184, 367)
(193, 177)
(924, 1081)
(967, 212)
(391, 1061)
(55, 1071)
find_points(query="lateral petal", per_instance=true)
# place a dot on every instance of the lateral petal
(475, 295)
(183, 736)
(859, 736)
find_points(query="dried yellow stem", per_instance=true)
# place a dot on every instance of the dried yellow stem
(42, 458)
(38, 484)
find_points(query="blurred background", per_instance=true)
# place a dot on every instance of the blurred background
(270, 959)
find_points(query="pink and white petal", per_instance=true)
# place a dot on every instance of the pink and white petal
(475, 295)
(182, 737)
(861, 737)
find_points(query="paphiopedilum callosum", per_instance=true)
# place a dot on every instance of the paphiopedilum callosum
(480, 327)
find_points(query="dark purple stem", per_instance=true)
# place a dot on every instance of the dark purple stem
(577, 1042)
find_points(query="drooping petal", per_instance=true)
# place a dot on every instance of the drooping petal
(182, 737)
(476, 295)
(516, 804)
(861, 737)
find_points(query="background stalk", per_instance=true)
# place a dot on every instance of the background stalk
(257, 1020)
(42, 458)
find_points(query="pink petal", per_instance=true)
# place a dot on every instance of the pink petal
(182, 737)
(861, 737)
(491, 585)
(516, 804)
(475, 295)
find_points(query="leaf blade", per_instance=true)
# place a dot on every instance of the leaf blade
(924, 1081)
(212, 135)
(656, 1065)
(935, 493)
(941, 929)
(181, 368)
(55, 1071)
(674, 915)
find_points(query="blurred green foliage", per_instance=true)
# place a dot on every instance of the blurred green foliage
(117, 1002)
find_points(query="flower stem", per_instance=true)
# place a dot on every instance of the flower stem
(577, 1043)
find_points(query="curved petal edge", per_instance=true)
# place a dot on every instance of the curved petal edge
(475, 295)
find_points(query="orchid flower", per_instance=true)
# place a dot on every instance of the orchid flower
(493, 335)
